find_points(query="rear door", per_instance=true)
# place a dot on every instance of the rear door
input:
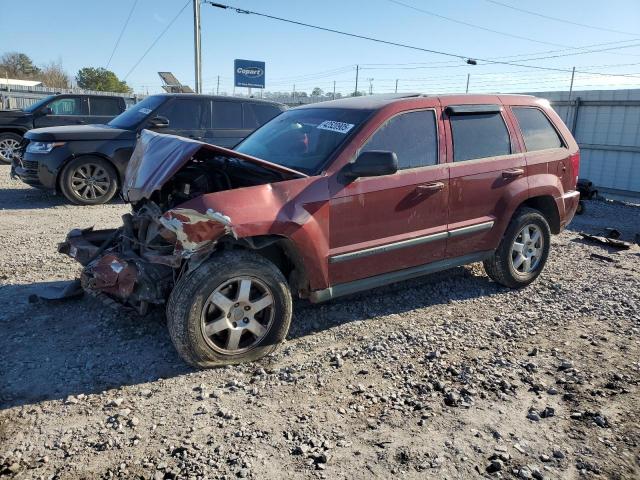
(103, 109)
(487, 175)
(188, 117)
(226, 128)
(65, 110)
(382, 224)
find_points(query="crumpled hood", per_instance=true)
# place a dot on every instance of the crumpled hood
(79, 132)
(157, 157)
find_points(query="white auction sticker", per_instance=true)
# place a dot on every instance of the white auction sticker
(334, 126)
(145, 111)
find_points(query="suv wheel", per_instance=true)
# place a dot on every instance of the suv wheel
(9, 143)
(523, 251)
(89, 181)
(234, 308)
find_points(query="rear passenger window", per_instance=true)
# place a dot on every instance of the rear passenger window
(479, 136)
(104, 106)
(412, 136)
(536, 129)
(256, 115)
(227, 115)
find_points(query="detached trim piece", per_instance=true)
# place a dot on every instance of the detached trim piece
(393, 277)
(471, 109)
(412, 242)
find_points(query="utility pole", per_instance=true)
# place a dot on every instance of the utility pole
(396, 85)
(218, 86)
(370, 86)
(294, 92)
(357, 70)
(573, 74)
(196, 45)
(468, 77)
(334, 90)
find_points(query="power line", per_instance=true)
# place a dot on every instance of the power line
(157, 39)
(473, 25)
(124, 27)
(469, 60)
(563, 20)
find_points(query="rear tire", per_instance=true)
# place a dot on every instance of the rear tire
(234, 308)
(523, 251)
(88, 181)
(9, 142)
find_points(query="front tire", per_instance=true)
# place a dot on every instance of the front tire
(234, 308)
(88, 181)
(523, 251)
(9, 143)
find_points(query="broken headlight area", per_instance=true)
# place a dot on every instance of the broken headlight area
(137, 264)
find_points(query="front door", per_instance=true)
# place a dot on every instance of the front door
(382, 224)
(69, 110)
(486, 174)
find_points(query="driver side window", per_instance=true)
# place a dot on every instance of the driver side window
(412, 136)
(66, 106)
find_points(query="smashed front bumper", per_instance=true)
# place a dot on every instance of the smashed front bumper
(137, 264)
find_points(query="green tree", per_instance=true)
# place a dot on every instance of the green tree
(17, 65)
(316, 92)
(101, 79)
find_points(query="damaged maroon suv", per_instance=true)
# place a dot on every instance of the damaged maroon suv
(326, 200)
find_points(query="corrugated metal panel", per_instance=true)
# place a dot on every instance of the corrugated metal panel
(601, 130)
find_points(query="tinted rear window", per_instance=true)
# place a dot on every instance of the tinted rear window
(479, 136)
(104, 106)
(536, 129)
(227, 115)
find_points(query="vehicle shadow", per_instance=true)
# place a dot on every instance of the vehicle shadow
(53, 349)
(439, 288)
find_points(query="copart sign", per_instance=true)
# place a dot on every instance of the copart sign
(248, 73)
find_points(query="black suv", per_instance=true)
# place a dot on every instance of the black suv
(52, 111)
(87, 163)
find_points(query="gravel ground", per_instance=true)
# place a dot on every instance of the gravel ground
(448, 376)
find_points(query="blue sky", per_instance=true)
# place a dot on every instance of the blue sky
(83, 33)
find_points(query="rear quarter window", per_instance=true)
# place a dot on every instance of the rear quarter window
(479, 136)
(537, 130)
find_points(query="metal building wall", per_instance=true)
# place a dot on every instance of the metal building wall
(606, 125)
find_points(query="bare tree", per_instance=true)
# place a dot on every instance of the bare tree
(53, 75)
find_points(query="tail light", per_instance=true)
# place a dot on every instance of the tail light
(575, 166)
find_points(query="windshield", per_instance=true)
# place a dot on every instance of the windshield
(303, 139)
(131, 117)
(35, 106)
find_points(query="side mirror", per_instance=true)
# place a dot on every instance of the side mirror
(374, 163)
(159, 122)
(46, 111)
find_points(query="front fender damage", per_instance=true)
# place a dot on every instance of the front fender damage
(138, 264)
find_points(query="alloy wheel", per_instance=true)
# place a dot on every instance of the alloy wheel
(237, 315)
(90, 181)
(8, 148)
(527, 249)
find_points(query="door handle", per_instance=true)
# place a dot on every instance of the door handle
(513, 173)
(430, 187)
